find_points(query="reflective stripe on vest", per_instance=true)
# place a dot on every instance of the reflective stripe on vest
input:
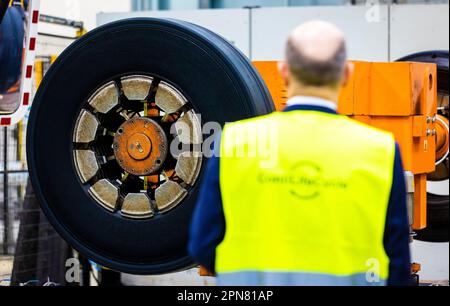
(305, 192)
(296, 279)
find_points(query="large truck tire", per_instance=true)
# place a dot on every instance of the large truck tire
(95, 97)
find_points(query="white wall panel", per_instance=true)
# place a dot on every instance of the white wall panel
(366, 40)
(411, 28)
(233, 24)
(417, 28)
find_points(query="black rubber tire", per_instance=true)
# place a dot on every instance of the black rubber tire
(437, 219)
(217, 79)
(440, 58)
(438, 206)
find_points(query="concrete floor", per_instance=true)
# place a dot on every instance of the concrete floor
(186, 278)
(434, 258)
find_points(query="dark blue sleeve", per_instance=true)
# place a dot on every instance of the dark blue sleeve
(208, 223)
(396, 238)
(11, 48)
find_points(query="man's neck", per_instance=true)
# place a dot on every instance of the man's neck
(329, 94)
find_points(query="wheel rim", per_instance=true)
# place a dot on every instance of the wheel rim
(121, 143)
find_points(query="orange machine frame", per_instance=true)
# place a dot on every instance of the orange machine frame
(397, 97)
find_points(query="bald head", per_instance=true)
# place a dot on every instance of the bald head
(316, 54)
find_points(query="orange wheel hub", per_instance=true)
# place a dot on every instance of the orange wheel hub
(140, 146)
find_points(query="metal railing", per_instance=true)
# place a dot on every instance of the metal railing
(13, 170)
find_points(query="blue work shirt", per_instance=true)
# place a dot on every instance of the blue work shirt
(209, 225)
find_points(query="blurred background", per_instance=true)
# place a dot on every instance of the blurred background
(376, 30)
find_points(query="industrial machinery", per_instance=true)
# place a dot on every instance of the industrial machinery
(111, 106)
(437, 229)
(402, 98)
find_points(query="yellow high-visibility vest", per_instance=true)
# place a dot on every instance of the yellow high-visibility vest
(305, 197)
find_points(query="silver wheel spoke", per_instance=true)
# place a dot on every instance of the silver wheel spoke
(105, 99)
(86, 128)
(137, 205)
(188, 167)
(190, 127)
(106, 193)
(136, 87)
(169, 195)
(169, 99)
(87, 165)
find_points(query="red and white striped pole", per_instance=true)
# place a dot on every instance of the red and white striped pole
(26, 84)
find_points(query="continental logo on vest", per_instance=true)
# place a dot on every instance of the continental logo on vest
(304, 180)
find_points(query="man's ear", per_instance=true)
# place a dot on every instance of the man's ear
(283, 69)
(348, 72)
